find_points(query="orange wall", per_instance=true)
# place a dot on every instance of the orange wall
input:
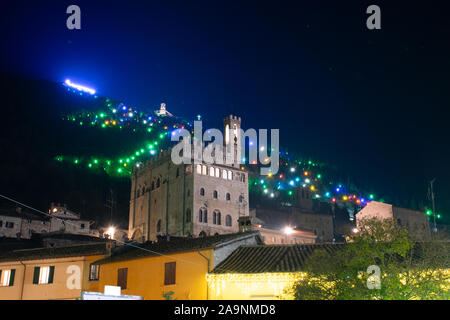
(146, 276)
(26, 290)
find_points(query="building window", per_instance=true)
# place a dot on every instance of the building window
(241, 198)
(158, 226)
(199, 169)
(230, 175)
(224, 174)
(205, 216)
(202, 191)
(43, 275)
(215, 194)
(228, 220)
(169, 273)
(9, 225)
(122, 275)
(200, 215)
(1, 223)
(94, 272)
(82, 226)
(188, 215)
(217, 217)
(217, 173)
(211, 171)
(228, 197)
(202, 234)
(158, 182)
(204, 170)
(7, 277)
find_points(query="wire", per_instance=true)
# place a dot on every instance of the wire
(124, 243)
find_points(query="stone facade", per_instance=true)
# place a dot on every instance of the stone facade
(414, 221)
(186, 199)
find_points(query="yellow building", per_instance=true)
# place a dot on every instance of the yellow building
(260, 272)
(176, 267)
(48, 273)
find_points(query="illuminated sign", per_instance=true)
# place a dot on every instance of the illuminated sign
(79, 87)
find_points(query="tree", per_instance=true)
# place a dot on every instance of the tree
(408, 269)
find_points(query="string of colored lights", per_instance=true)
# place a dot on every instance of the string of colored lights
(294, 174)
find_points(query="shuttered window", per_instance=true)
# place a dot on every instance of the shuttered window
(122, 278)
(169, 273)
(43, 275)
(7, 277)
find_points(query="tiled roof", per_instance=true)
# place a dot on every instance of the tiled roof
(270, 258)
(54, 252)
(175, 245)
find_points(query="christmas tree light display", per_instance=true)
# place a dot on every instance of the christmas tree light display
(157, 128)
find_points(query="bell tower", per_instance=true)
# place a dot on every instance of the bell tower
(232, 139)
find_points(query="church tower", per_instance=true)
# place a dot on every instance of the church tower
(232, 139)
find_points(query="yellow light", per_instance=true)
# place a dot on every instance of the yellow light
(313, 188)
(288, 230)
(110, 232)
(344, 198)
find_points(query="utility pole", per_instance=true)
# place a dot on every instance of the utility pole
(432, 202)
(110, 204)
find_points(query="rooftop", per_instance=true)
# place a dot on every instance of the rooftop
(54, 252)
(271, 258)
(175, 245)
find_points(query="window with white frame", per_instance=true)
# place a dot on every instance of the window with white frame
(43, 275)
(230, 175)
(204, 170)
(7, 277)
(217, 173)
(224, 174)
(199, 169)
(211, 171)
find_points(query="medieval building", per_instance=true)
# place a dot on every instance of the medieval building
(195, 199)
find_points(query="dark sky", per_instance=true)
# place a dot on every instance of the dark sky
(372, 102)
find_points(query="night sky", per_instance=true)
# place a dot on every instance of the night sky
(373, 103)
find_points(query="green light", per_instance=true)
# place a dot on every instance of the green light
(90, 165)
(438, 216)
(95, 161)
(290, 193)
(119, 170)
(428, 212)
(75, 161)
(371, 196)
(319, 176)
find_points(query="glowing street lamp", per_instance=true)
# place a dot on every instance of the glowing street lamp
(288, 230)
(110, 232)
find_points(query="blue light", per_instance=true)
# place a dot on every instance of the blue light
(79, 87)
(338, 189)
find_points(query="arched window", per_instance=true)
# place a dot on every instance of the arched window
(241, 198)
(215, 194)
(205, 216)
(214, 217)
(158, 226)
(202, 191)
(228, 197)
(202, 234)
(188, 215)
(228, 220)
(218, 218)
(200, 215)
(158, 182)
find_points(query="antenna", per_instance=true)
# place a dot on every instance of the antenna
(432, 202)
